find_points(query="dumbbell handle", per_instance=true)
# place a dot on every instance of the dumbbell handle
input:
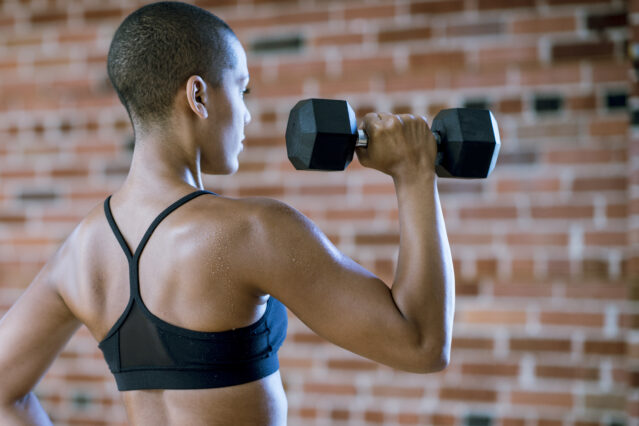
(362, 139)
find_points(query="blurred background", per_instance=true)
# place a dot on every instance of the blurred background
(545, 249)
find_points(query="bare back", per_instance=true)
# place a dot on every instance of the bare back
(190, 276)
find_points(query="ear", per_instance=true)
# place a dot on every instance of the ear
(196, 94)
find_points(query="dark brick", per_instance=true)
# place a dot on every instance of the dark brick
(278, 44)
(477, 104)
(38, 195)
(577, 51)
(601, 22)
(478, 420)
(435, 7)
(505, 4)
(548, 103)
(616, 100)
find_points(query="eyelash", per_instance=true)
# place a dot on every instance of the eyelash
(246, 91)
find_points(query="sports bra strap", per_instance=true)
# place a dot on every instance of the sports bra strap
(154, 224)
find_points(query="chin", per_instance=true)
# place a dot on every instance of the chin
(221, 169)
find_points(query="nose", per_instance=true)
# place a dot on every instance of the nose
(247, 116)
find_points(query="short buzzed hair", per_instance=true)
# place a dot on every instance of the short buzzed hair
(157, 48)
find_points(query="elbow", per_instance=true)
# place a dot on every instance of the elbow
(433, 358)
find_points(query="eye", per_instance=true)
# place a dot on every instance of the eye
(246, 91)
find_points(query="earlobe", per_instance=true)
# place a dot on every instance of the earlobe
(196, 95)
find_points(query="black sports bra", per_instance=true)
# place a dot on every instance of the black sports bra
(145, 352)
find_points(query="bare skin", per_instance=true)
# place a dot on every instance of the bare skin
(226, 257)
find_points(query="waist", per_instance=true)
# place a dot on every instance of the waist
(261, 402)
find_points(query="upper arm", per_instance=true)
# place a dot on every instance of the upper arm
(332, 294)
(35, 329)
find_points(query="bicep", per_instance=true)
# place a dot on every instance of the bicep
(332, 294)
(33, 332)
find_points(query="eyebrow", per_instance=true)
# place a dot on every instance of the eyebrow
(243, 77)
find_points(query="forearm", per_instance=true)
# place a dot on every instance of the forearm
(424, 286)
(27, 411)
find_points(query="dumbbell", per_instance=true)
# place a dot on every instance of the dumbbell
(322, 135)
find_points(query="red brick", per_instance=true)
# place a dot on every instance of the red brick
(537, 239)
(439, 419)
(278, 20)
(571, 318)
(436, 7)
(581, 103)
(49, 17)
(605, 238)
(261, 191)
(600, 347)
(497, 369)
(277, 90)
(486, 267)
(375, 65)
(433, 60)
(374, 416)
(377, 239)
(567, 372)
(468, 395)
(475, 79)
(467, 238)
(539, 399)
(544, 75)
(606, 290)
(340, 414)
(369, 12)
(70, 172)
(549, 422)
(521, 55)
(493, 317)
(322, 190)
(338, 39)
(301, 337)
(616, 211)
(600, 184)
(510, 106)
(488, 213)
(521, 290)
(398, 391)
(606, 72)
(540, 345)
(301, 70)
(509, 421)
(585, 156)
(609, 127)
(103, 14)
(606, 402)
(329, 388)
(473, 343)
(408, 418)
(562, 212)
(339, 86)
(394, 36)
(410, 82)
(352, 364)
(573, 2)
(475, 30)
(544, 25)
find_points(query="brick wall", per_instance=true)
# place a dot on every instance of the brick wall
(545, 250)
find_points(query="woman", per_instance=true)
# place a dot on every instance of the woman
(184, 289)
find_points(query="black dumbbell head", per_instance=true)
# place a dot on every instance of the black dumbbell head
(469, 145)
(321, 134)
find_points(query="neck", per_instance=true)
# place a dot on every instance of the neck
(160, 164)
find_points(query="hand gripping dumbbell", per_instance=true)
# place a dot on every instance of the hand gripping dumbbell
(322, 135)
